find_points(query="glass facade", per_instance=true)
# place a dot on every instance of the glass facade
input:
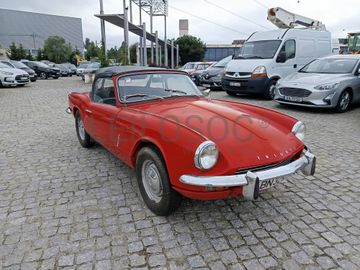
(218, 53)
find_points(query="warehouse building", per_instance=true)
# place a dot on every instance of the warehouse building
(32, 29)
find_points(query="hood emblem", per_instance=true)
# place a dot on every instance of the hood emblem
(236, 75)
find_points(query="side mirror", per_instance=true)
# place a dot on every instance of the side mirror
(206, 92)
(281, 58)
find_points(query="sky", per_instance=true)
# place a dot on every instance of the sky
(214, 21)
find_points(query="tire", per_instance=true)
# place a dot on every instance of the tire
(56, 78)
(231, 93)
(343, 102)
(83, 137)
(1, 85)
(270, 92)
(43, 75)
(159, 196)
(21, 85)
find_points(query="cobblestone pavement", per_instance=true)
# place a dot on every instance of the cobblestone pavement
(63, 206)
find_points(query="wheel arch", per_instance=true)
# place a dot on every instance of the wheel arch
(146, 143)
(351, 92)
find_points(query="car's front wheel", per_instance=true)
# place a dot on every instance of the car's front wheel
(154, 184)
(343, 102)
(83, 137)
(231, 93)
(43, 75)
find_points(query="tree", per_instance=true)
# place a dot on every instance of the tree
(39, 55)
(92, 50)
(16, 53)
(56, 49)
(29, 56)
(133, 52)
(191, 49)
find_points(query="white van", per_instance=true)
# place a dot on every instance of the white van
(268, 56)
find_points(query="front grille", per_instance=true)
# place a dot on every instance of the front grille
(294, 92)
(265, 167)
(19, 78)
(231, 74)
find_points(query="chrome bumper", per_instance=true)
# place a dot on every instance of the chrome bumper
(251, 181)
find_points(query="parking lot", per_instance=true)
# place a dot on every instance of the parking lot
(63, 206)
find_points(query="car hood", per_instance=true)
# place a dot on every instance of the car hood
(242, 137)
(16, 71)
(312, 79)
(28, 70)
(246, 65)
(213, 71)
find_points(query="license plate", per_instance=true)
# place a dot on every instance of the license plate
(24, 78)
(206, 85)
(269, 183)
(237, 84)
(296, 99)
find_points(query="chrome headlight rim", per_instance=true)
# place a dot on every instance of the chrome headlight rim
(201, 148)
(299, 130)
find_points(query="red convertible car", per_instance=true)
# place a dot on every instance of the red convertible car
(182, 143)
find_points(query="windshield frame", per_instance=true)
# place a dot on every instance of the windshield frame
(276, 49)
(319, 59)
(121, 76)
(3, 65)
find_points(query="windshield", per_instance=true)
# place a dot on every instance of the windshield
(4, 65)
(134, 88)
(188, 66)
(262, 49)
(93, 65)
(223, 62)
(83, 65)
(41, 64)
(19, 64)
(330, 65)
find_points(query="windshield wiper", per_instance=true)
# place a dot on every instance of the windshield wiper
(140, 95)
(175, 91)
(255, 57)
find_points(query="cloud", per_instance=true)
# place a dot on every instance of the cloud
(336, 15)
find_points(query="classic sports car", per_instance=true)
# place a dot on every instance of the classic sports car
(181, 143)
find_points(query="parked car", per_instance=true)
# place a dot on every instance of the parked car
(12, 76)
(64, 70)
(72, 68)
(49, 63)
(42, 70)
(199, 69)
(92, 68)
(268, 56)
(159, 123)
(191, 67)
(328, 82)
(211, 77)
(81, 67)
(22, 66)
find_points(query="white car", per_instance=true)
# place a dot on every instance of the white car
(12, 76)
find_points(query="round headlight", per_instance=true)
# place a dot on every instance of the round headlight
(206, 155)
(299, 130)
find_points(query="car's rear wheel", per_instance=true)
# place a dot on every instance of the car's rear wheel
(154, 184)
(43, 75)
(343, 102)
(83, 137)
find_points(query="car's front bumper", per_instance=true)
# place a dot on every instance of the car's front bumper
(211, 82)
(15, 80)
(245, 84)
(253, 182)
(313, 98)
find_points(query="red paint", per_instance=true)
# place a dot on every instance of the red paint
(246, 135)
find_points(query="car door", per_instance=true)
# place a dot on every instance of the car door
(102, 112)
(286, 59)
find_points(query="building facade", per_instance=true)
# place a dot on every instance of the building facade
(32, 29)
(218, 52)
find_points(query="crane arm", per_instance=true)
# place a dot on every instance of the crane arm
(286, 19)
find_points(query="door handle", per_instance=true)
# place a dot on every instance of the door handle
(295, 65)
(88, 111)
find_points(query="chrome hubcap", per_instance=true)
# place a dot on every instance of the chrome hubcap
(345, 100)
(152, 181)
(81, 129)
(43, 75)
